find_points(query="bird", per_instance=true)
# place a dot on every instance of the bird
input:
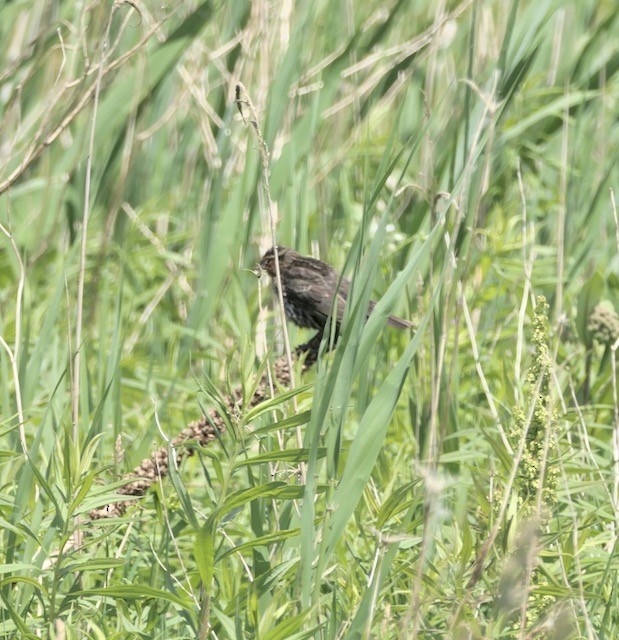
(309, 287)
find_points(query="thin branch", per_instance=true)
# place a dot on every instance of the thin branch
(75, 392)
(243, 100)
(562, 212)
(528, 270)
(13, 354)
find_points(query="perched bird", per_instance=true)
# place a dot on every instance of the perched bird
(308, 289)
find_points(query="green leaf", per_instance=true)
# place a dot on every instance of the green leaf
(287, 455)
(268, 539)
(205, 554)
(286, 629)
(369, 440)
(590, 295)
(279, 490)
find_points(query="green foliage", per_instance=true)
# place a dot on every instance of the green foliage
(457, 160)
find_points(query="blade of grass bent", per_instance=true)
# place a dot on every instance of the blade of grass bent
(370, 436)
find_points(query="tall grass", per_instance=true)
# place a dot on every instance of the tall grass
(457, 159)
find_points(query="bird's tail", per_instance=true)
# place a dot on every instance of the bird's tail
(400, 323)
(394, 321)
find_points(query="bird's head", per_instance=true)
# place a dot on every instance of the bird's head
(267, 263)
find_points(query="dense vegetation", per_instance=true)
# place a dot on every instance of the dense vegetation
(458, 160)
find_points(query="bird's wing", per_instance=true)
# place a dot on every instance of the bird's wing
(313, 291)
(320, 299)
(315, 295)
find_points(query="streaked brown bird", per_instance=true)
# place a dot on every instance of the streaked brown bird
(308, 289)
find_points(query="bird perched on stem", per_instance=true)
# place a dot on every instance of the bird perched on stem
(308, 289)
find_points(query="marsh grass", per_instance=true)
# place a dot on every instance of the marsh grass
(458, 160)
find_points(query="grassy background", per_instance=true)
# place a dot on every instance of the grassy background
(460, 482)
